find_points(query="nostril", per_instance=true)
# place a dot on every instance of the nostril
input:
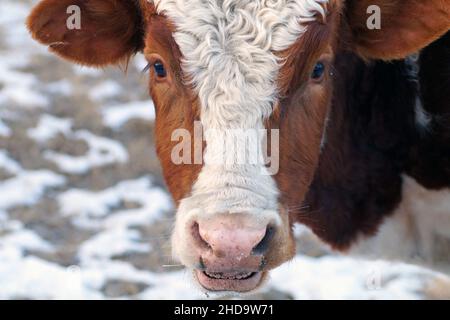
(262, 247)
(198, 239)
(201, 265)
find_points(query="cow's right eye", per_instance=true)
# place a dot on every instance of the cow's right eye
(159, 69)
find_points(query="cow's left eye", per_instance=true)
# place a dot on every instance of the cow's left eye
(319, 71)
(159, 69)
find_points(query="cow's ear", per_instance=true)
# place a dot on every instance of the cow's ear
(404, 26)
(89, 32)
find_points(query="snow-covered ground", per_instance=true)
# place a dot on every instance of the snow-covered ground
(83, 210)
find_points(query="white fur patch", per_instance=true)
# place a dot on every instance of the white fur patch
(414, 231)
(228, 49)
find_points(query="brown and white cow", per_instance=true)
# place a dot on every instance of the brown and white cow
(364, 145)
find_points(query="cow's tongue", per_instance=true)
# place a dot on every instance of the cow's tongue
(229, 275)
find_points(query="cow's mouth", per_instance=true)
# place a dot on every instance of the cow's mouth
(230, 276)
(229, 281)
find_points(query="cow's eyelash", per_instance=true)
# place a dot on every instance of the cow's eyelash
(147, 67)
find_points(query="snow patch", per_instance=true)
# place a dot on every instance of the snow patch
(116, 116)
(26, 240)
(62, 87)
(102, 152)
(49, 127)
(334, 277)
(89, 207)
(105, 90)
(5, 131)
(8, 164)
(110, 243)
(27, 188)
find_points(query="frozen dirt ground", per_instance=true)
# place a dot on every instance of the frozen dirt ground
(84, 213)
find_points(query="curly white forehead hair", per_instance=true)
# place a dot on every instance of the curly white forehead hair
(228, 50)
